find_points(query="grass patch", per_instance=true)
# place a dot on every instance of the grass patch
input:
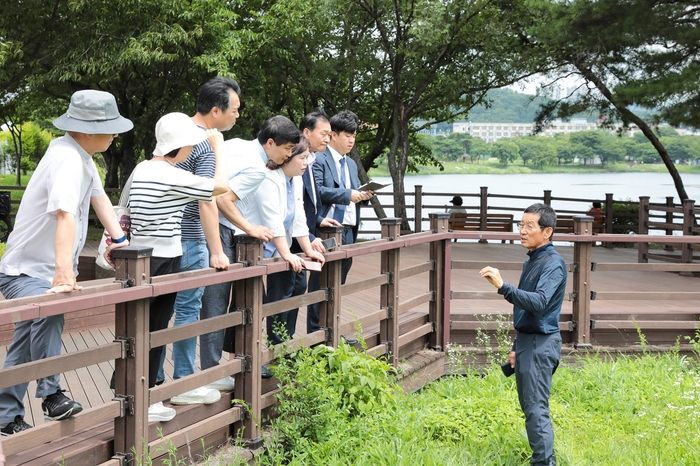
(604, 413)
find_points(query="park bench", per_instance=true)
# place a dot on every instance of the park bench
(565, 224)
(472, 222)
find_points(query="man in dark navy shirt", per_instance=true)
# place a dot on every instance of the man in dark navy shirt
(537, 304)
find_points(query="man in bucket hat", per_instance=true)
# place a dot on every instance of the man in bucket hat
(50, 230)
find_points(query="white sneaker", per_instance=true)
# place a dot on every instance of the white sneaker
(158, 412)
(226, 384)
(198, 396)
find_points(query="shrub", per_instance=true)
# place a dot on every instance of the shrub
(322, 388)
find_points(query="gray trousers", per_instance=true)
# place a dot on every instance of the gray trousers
(536, 359)
(33, 340)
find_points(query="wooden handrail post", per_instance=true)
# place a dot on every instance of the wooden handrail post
(669, 220)
(329, 311)
(609, 214)
(643, 229)
(440, 278)
(131, 327)
(418, 209)
(389, 293)
(581, 308)
(483, 210)
(688, 224)
(547, 199)
(248, 298)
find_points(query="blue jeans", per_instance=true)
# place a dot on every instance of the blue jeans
(33, 340)
(216, 301)
(195, 256)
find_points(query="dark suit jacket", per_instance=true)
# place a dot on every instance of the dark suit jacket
(328, 185)
(310, 210)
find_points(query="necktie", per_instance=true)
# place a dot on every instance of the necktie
(340, 209)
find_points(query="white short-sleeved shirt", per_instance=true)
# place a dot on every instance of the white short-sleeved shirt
(158, 196)
(350, 217)
(271, 206)
(246, 170)
(65, 179)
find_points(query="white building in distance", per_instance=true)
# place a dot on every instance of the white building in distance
(490, 132)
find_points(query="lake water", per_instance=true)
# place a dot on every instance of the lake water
(624, 186)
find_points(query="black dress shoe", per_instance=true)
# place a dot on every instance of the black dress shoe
(350, 341)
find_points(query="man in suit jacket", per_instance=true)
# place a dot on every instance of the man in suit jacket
(337, 180)
(316, 128)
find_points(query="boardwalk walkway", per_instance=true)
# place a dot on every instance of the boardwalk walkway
(90, 386)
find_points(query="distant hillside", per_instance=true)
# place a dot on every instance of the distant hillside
(508, 106)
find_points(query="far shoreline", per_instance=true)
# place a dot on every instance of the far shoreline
(494, 168)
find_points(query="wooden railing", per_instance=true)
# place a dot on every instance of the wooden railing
(130, 294)
(646, 218)
(580, 325)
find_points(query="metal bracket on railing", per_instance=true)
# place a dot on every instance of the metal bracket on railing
(246, 362)
(572, 326)
(389, 277)
(388, 346)
(126, 282)
(245, 412)
(123, 458)
(593, 266)
(247, 314)
(327, 333)
(128, 346)
(573, 296)
(593, 295)
(126, 405)
(592, 324)
(574, 267)
(433, 296)
(389, 311)
(434, 325)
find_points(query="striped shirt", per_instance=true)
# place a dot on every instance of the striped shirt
(159, 193)
(201, 162)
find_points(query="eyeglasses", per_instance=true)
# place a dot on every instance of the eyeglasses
(528, 227)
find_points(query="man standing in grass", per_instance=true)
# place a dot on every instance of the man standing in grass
(536, 304)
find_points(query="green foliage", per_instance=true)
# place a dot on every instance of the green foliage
(695, 341)
(32, 145)
(509, 106)
(505, 151)
(497, 354)
(625, 218)
(604, 413)
(321, 390)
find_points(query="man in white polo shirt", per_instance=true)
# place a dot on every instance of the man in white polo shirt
(50, 230)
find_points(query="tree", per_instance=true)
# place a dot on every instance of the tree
(628, 52)
(423, 60)
(565, 154)
(546, 155)
(151, 54)
(528, 147)
(505, 151)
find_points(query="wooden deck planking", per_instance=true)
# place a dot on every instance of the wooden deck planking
(90, 386)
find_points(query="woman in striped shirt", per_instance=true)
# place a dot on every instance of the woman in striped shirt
(157, 198)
